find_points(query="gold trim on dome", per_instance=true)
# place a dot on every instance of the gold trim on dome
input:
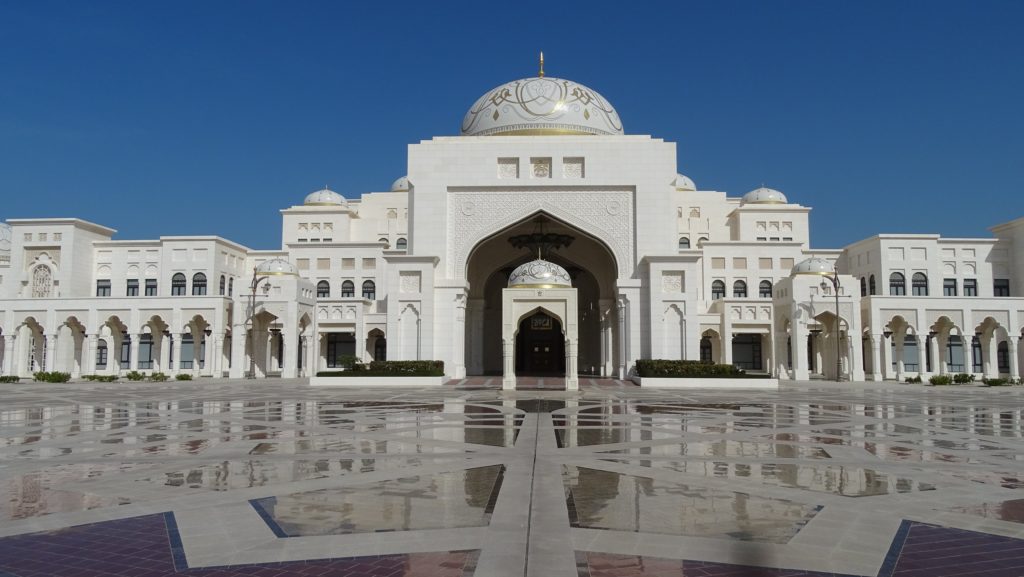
(541, 132)
(539, 286)
(769, 201)
(817, 272)
(276, 273)
(321, 204)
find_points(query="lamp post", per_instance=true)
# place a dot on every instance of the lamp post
(834, 279)
(251, 321)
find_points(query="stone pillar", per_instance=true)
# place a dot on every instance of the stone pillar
(77, 353)
(572, 382)
(900, 368)
(937, 362)
(855, 354)
(991, 361)
(211, 355)
(476, 319)
(238, 366)
(89, 354)
(623, 338)
(922, 365)
(799, 341)
(1011, 350)
(133, 362)
(459, 341)
(51, 352)
(290, 368)
(8, 354)
(726, 339)
(968, 354)
(164, 360)
(508, 362)
(876, 362)
(177, 353)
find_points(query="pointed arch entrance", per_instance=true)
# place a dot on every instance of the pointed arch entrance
(594, 271)
(540, 345)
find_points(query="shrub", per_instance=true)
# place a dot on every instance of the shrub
(100, 378)
(9, 379)
(963, 378)
(674, 369)
(158, 377)
(183, 377)
(390, 369)
(913, 380)
(940, 380)
(51, 377)
(996, 382)
(134, 376)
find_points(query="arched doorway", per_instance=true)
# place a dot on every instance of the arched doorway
(594, 272)
(540, 346)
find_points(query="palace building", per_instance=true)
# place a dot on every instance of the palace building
(541, 240)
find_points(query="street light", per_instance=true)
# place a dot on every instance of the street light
(834, 279)
(251, 321)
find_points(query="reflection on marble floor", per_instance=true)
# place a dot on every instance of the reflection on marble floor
(810, 479)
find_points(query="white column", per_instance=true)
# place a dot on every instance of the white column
(77, 353)
(922, 364)
(133, 362)
(623, 337)
(211, 355)
(238, 366)
(459, 341)
(900, 368)
(177, 353)
(51, 352)
(726, 339)
(508, 380)
(991, 362)
(876, 362)
(8, 354)
(572, 382)
(1011, 349)
(799, 343)
(933, 350)
(89, 355)
(290, 368)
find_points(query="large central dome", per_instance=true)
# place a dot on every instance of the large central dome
(541, 105)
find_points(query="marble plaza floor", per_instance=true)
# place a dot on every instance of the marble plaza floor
(274, 478)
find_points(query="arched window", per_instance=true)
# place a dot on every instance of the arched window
(1003, 357)
(42, 281)
(146, 351)
(897, 284)
(369, 290)
(198, 284)
(701, 241)
(717, 290)
(323, 290)
(919, 284)
(231, 286)
(863, 287)
(739, 289)
(872, 290)
(705, 350)
(101, 354)
(385, 242)
(764, 290)
(402, 244)
(223, 284)
(178, 284)
(348, 289)
(684, 243)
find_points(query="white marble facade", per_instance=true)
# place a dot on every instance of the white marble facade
(660, 269)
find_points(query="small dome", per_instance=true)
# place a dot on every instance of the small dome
(813, 265)
(400, 185)
(539, 274)
(541, 105)
(764, 195)
(276, 266)
(683, 182)
(323, 197)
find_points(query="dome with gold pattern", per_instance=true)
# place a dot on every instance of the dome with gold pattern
(539, 273)
(541, 105)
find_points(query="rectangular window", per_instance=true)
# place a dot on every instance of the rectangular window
(739, 263)
(132, 289)
(151, 287)
(302, 263)
(764, 263)
(786, 263)
(1001, 287)
(103, 288)
(970, 287)
(348, 264)
(718, 263)
(323, 264)
(369, 263)
(340, 346)
(949, 287)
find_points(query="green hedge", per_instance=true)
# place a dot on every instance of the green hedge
(183, 377)
(9, 379)
(390, 369)
(100, 378)
(669, 369)
(963, 378)
(134, 376)
(51, 377)
(940, 380)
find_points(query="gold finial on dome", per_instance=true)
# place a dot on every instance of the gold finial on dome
(541, 75)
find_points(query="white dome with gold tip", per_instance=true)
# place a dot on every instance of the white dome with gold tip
(276, 267)
(539, 274)
(764, 195)
(324, 197)
(813, 265)
(541, 105)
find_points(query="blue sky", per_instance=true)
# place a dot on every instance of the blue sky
(882, 116)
